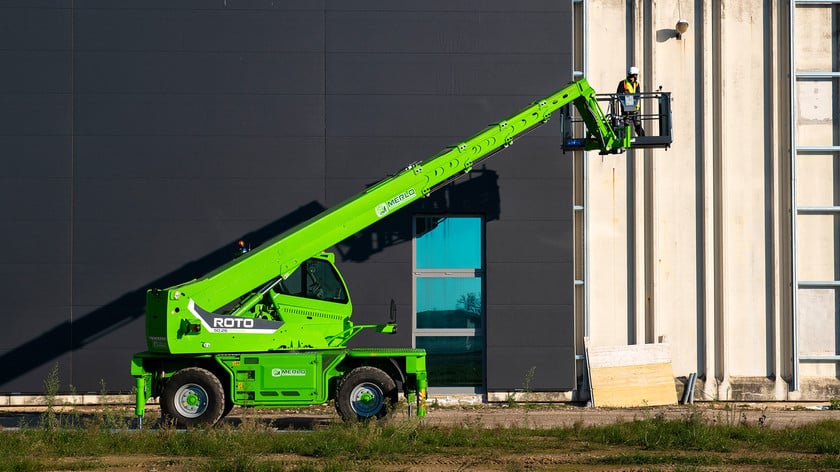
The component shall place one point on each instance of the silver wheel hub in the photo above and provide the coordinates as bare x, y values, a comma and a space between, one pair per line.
191, 400
367, 399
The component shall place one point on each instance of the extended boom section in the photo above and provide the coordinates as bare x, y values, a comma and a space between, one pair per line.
278, 258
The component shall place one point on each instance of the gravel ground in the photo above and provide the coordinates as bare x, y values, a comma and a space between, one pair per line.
572, 456
774, 415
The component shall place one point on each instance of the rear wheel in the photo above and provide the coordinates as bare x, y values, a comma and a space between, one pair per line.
192, 397
228, 406
365, 392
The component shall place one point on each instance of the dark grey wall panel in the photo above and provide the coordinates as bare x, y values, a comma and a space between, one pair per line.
41, 26
169, 199
176, 29
200, 72
42, 336
529, 241
434, 72
382, 156
491, 32
229, 5
188, 115
44, 4
225, 115
95, 284
37, 242
442, 6
35, 296
452, 118
36, 114
442, 73
512, 367
199, 157
376, 283
536, 198
526, 283
35, 72
536, 156
35, 209
373, 285
543, 328
30, 380
110, 377
35, 199
149, 135
36, 156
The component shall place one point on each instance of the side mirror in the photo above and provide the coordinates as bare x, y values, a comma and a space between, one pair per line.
393, 314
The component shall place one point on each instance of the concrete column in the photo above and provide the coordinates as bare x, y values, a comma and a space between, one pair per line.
610, 38
708, 47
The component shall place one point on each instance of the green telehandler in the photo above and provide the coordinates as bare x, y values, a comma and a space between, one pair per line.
270, 328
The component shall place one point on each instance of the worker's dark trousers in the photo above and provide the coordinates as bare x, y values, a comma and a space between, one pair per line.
637, 122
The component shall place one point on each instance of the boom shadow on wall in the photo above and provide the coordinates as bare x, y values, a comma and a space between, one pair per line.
477, 193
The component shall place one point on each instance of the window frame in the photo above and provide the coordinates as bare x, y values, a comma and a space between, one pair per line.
479, 332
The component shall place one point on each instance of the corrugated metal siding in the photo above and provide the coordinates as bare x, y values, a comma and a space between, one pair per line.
144, 138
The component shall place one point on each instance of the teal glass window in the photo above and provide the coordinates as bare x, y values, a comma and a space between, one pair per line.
449, 302
454, 361
449, 299
448, 242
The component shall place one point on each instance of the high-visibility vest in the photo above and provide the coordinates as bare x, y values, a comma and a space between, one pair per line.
632, 88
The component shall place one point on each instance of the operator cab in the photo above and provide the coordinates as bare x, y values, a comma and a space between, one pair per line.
316, 279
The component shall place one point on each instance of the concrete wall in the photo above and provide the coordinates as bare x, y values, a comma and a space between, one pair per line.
694, 244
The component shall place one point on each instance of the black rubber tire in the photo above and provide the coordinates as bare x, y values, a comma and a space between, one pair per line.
364, 393
192, 397
228, 406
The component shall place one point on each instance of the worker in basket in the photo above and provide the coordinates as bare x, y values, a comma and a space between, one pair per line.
628, 92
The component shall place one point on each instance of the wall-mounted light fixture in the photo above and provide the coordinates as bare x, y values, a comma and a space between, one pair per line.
681, 27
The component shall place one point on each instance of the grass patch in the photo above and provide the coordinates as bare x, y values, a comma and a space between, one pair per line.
690, 443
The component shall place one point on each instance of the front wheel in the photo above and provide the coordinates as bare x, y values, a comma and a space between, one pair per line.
365, 392
192, 397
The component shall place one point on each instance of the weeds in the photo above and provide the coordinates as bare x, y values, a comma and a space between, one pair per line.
511, 400
52, 384
110, 417
690, 441
697, 441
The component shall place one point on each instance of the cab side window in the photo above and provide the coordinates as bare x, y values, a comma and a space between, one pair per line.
315, 279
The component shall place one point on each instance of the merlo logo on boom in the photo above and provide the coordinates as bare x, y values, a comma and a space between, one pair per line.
399, 200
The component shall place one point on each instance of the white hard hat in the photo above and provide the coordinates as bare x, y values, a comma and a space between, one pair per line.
632, 70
